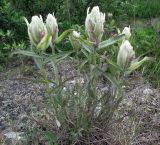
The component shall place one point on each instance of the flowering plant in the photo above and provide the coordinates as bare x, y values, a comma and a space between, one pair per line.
83, 102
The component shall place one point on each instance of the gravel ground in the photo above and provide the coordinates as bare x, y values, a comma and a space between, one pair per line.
20, 96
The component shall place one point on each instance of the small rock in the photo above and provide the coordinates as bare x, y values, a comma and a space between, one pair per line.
13, 135
147, 91
72, 82
51, 85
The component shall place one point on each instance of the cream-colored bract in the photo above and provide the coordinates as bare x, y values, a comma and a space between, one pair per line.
42, 34
36, 29
127, 32
52, 26
125, 54
94, 24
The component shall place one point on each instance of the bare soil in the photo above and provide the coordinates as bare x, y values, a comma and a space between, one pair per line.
21, 95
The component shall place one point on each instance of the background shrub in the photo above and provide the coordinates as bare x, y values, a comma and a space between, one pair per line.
72, 12
11, 19
12, 30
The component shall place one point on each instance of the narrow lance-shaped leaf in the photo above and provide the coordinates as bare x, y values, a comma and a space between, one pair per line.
83, 63
59, 56
117, 67
27, 53
44, 43
110, 41
137, 64
110, 78
38, 62
63, 35
85, 53
62, 56
111, 63
86, 45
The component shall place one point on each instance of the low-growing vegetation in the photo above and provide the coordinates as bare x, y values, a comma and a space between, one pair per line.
68, 78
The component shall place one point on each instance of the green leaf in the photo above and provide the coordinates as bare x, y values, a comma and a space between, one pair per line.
109, 77
62, 55
51, 138
137, 64
83, 63
74, 42
37, 58
63, 35
86, 45
85, 53
38, 62
27, 53
117, 67
110, 41
44, 43
59, 56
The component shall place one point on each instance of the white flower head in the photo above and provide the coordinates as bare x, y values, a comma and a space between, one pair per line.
94, 24
76, 34
36, 29
125, 54
127, 32
52, 26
